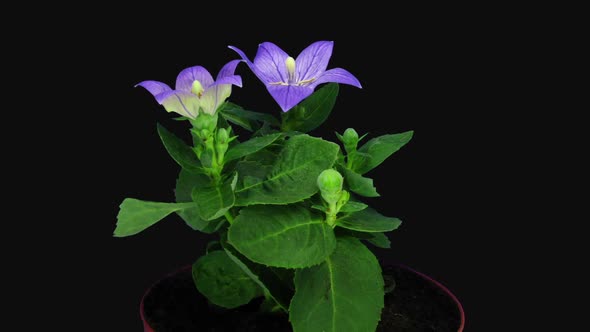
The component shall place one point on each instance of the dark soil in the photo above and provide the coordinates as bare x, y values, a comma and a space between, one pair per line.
174, 305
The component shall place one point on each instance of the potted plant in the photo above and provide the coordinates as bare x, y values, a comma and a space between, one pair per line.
293, 233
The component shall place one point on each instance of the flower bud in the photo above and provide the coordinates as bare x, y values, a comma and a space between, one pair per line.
330, 184
205, 121
350, 138
222, 136
221, 144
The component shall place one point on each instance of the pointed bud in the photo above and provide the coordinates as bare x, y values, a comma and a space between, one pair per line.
350, 138
222, 136
330, 184
221, 144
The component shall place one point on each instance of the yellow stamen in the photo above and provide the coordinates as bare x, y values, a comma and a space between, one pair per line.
290, 64
197, 88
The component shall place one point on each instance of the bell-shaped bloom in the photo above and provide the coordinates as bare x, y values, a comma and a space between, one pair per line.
196, 91
290, 80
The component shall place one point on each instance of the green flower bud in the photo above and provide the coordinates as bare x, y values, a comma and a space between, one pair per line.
205, 121
350, 139
344, 198
222, 136
330, 184
221, 144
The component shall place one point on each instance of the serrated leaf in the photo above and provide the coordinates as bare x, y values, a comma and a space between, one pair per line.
268, 278
344, 293
214, 200
312, 111
222, 281
251, 146
282, 236
368, 220
359, 184
179, 150
378, 149
294, 174
136, 215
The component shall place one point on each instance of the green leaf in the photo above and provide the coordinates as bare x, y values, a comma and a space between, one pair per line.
282, 236
179, 150
183, 192
378, 149
268, 278
214, 200
380, 240
312, 111
368, 220
246, 119
135, 215
344, 293
293, 176
359, 184
352, 206
222, 281
251, 146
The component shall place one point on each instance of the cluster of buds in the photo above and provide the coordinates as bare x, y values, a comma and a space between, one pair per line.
330, 183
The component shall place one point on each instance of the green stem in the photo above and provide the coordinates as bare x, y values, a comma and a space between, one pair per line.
331, 215
349, 159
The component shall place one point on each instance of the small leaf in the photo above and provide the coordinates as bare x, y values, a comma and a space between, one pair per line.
293, 175
319, 207
352, 206
179, 151
183, 192
246, 119
251, 146
135, 215
378, 149
222, 281
359, 184
368, 220
312, 111
214, 200
281, 236
380, 240
344, 293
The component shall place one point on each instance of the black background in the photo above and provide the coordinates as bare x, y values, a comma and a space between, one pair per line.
436, 75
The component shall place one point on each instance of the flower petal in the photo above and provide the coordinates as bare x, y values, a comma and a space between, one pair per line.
214, 96
181, 102
229, 69
337, 75
270, 63
288, 96
241, 54
233, 79
154, 87
184, 81
313, 60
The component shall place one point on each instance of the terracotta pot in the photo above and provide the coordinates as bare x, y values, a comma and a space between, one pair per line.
148, 328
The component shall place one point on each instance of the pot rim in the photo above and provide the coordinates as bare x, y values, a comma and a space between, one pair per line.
444, 289
148, 328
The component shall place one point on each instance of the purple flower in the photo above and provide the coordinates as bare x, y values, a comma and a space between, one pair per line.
290, 80
195, 89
